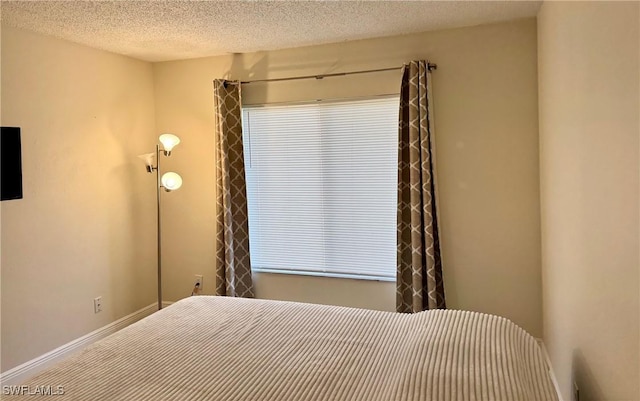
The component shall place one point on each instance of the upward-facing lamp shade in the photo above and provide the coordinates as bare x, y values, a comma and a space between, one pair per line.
169, 141
149, 160
171, 181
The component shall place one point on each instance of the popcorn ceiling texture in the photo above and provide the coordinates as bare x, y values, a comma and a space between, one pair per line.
171, 30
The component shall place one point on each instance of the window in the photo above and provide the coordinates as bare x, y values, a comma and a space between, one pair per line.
321, 187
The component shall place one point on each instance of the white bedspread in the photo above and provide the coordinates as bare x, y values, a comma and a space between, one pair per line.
214, 348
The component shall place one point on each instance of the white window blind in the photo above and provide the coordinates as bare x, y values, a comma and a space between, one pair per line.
321, 187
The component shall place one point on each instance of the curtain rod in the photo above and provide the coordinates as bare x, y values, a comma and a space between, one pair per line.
337, 74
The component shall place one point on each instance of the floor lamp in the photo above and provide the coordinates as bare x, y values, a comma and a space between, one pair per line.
169, 181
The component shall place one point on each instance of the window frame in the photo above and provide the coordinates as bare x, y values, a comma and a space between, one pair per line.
309, 272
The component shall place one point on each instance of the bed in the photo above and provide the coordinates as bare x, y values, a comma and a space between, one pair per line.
218, 348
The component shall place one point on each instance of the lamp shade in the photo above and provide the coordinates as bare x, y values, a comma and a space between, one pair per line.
169, 141
171, 181
149, 159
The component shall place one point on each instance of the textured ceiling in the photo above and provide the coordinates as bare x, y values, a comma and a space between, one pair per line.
170, 30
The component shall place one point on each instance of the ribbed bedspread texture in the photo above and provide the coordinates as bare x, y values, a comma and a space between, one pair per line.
232, 349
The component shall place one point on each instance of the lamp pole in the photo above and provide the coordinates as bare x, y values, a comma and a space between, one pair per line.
158, 186
170, 181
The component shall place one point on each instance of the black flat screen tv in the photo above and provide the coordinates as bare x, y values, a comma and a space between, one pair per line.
10, 163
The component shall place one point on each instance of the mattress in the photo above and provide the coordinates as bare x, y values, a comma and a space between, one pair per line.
218, 348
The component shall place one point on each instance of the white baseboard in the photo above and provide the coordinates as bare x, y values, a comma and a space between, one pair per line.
28, 369
551, 373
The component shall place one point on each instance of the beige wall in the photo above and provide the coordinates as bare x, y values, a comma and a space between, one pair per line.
589, 129
487, 139
85, 227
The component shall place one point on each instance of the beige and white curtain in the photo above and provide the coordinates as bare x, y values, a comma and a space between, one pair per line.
233, 265
419, 281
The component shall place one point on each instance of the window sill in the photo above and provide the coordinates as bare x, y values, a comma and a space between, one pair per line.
325, 274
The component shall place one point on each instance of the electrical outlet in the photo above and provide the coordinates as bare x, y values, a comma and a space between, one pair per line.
576, 392
199, 282
97, 304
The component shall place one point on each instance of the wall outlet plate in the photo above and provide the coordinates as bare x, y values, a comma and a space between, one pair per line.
97, 304
199, 282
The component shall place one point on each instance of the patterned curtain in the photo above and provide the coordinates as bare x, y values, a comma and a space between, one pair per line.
233, 266
419, 281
